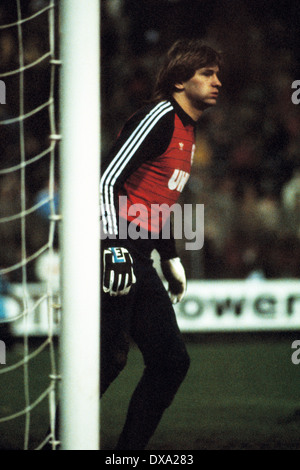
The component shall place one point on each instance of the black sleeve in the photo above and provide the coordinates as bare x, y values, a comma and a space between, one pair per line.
145, 136
166, 248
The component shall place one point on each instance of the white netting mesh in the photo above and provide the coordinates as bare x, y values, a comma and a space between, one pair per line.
29, 269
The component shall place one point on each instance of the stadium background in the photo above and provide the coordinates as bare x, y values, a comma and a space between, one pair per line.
243, 390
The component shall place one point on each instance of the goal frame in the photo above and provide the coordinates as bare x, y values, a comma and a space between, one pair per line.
80, 226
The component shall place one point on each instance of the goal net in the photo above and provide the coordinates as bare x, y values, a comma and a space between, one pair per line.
29, 267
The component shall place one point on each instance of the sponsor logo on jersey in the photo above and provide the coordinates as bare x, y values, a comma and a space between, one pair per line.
178, 180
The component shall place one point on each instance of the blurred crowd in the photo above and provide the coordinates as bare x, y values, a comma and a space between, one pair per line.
247, 161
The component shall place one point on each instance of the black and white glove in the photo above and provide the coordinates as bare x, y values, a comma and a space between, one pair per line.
118, 275
175, 275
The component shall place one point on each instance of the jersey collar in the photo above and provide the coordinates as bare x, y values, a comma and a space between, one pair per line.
184, 117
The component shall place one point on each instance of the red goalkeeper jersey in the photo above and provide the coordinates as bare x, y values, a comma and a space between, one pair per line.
150, 164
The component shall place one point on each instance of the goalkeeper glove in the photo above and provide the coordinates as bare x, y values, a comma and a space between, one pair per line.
118, 275
175, 275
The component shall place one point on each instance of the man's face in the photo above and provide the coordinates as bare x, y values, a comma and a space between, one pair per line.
203, 88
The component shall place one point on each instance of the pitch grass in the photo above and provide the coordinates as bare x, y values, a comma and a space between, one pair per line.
242, 393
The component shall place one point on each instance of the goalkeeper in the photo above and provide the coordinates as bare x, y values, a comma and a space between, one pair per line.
148, 166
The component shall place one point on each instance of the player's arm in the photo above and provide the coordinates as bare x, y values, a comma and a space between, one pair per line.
145, 136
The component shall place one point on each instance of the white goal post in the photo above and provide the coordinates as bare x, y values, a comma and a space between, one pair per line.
80, 230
